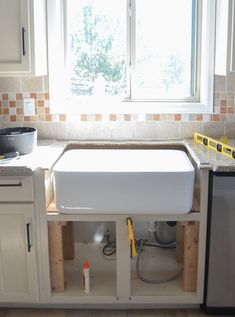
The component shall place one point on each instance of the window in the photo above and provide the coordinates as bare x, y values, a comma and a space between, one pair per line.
140, 55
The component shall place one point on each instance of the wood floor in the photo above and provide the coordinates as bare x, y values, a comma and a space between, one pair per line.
10, 312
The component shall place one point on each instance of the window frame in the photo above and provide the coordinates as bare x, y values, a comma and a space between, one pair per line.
205, 78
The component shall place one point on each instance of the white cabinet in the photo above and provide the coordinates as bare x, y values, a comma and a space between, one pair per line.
23, 38
17, 253
225, 37
18, 269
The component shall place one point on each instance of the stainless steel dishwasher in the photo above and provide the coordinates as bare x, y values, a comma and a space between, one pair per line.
220, 258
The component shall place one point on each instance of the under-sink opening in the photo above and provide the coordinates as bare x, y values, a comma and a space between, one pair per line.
167, 264
68, 253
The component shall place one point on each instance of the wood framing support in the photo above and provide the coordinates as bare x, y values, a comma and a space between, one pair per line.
187, 235
179, 242
68, 241
56, 256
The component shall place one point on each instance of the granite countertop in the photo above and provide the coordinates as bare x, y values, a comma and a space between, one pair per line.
48, 151
43, 157
207, 158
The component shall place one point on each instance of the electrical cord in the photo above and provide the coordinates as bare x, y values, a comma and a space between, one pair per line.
152, 281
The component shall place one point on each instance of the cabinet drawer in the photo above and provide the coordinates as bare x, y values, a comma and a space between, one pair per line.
16, 188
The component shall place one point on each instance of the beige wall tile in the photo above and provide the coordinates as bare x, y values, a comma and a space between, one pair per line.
219, 84
230, 130
145, 130
213, 129
100, 130
55, 130
230, 83
32, 84
46, 83
168, 130
122, 130
77, 130
10, 84
187, 129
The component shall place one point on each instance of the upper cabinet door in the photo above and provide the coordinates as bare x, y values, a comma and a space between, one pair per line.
225, 37
22, 26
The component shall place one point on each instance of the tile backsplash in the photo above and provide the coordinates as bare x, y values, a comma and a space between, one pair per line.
113, 126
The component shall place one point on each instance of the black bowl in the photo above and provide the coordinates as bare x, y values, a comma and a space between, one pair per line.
19, 139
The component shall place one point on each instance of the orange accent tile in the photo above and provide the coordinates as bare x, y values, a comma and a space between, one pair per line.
19, 110
156, 117
199, 117
5, 111
0, 111
223, 109
62, 117
19, 96
12, 103
127, 117
5, 97
46, 96
13, 118
112, 117
177, 117
98, 117
33, 95
48, 117
223, 103
230, 110
47, 110
26, 118
215, 117
83, 117
40, 103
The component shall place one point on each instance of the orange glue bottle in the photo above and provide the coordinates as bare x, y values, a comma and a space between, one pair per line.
86, 277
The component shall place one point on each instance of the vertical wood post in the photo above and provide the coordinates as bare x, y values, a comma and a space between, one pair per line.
56, 256
68, 241
191, 236
179, 242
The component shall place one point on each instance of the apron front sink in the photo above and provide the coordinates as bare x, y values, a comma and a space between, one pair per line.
123, 182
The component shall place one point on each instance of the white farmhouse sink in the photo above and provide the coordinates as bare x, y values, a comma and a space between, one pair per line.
124, 182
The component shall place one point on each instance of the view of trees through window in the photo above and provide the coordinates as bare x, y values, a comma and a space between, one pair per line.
97, 48
97, 41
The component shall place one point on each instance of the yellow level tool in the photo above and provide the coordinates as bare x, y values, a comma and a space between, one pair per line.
215, 145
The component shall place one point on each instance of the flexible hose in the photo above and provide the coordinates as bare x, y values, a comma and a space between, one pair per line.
158, 240
152, 281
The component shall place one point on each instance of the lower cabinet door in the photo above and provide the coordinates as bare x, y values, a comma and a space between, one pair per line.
18, 282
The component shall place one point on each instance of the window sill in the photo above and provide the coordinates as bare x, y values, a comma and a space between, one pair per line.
133, 107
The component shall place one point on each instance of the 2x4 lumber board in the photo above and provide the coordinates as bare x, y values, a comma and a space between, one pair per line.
56, 256
191, 238
179, 242
68, 241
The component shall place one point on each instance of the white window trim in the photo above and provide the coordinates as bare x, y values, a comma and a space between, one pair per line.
56, 58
